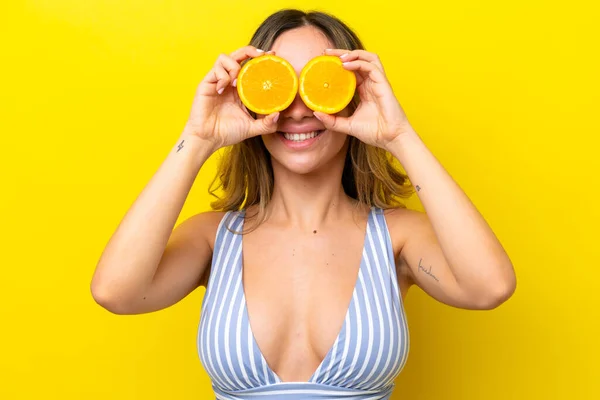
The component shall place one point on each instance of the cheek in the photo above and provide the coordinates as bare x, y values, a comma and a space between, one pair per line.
270, 140
338, 141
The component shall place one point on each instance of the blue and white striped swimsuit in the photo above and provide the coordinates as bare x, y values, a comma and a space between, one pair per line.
367, 355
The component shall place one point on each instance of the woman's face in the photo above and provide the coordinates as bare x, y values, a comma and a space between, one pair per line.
287, 147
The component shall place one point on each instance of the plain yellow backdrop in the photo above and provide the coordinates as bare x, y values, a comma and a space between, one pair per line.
94, 94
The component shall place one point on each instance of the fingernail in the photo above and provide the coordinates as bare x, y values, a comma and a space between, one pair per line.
234, 82
260, 51
276, 118
220, 90
317, 117
344, 55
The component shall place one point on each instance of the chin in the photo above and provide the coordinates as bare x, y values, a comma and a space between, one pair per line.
306, 156
299, 165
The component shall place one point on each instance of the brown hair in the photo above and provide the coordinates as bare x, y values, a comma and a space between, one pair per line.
245, 172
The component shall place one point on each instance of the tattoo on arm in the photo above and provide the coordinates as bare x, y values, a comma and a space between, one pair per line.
180, 146
428, 272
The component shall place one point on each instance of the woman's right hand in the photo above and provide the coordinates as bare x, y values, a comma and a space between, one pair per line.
218, 115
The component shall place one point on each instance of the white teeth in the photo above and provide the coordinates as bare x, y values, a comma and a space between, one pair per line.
298, 137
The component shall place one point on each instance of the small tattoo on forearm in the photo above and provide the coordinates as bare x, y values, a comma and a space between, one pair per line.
180, 146
418, 188
428, 272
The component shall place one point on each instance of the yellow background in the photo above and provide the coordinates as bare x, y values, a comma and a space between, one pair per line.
94, 94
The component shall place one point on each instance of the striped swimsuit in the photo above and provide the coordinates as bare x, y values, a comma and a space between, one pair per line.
368, 353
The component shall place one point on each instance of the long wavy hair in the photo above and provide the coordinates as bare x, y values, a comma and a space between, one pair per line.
245, 172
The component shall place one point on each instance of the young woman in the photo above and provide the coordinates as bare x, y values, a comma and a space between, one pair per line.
309, 253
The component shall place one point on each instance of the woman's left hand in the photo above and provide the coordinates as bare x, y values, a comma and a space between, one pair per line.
379, 119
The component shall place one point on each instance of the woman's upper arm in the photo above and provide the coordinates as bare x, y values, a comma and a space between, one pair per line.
420, 259
184, 264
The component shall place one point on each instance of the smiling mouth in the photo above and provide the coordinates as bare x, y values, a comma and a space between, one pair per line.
299, 137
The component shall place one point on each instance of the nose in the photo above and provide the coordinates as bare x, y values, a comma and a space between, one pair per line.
297, 110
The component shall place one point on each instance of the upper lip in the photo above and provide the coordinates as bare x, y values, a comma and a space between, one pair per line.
301, 128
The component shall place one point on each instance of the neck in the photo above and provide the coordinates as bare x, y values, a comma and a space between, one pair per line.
308, 201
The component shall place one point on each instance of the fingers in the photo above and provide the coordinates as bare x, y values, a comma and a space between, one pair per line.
366, 69
351, 55
364, 63
227, 67
245, 53
222, 77
334, 123
223, 73
263, 126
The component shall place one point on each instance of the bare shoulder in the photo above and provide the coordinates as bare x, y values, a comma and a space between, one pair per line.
402, 222
202, 226
199, 232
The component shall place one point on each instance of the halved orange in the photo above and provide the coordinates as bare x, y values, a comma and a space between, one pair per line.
325, 85
267, 84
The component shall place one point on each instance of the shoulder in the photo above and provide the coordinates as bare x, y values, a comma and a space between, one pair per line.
203, 226
403, 221
200, 231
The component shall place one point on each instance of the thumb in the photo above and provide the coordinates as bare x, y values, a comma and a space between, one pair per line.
334, 123
263, 126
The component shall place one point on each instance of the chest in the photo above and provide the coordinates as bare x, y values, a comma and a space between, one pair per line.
311, 268
298, 292
320, 307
